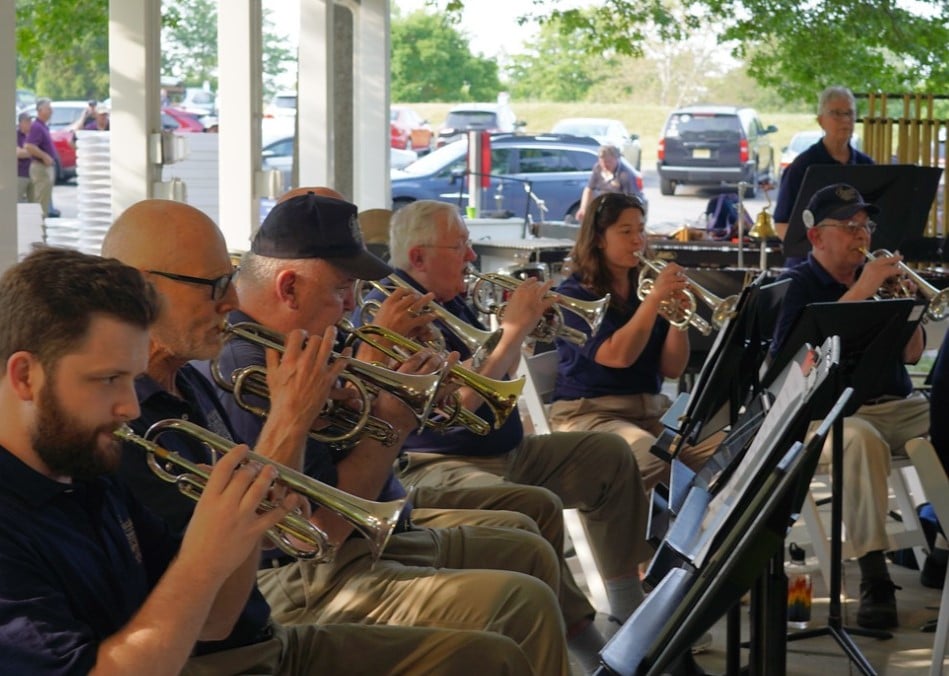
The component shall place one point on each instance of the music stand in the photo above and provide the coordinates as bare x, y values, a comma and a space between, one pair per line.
904, 194
728, 550
871, 333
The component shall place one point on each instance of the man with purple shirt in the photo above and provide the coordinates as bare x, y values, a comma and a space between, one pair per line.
22, 158
39, 143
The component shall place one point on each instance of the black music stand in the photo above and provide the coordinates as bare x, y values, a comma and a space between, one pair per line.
871, 333
725, 549
904, 194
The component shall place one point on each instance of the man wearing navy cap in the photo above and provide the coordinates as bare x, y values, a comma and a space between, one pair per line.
299, 274
839, 230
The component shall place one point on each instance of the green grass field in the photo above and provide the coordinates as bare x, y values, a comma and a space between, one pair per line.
644, 120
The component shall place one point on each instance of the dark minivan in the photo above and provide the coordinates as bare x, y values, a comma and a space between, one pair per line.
715, 145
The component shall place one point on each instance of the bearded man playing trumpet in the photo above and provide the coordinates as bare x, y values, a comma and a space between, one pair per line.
839, 230
590, 471
184, 255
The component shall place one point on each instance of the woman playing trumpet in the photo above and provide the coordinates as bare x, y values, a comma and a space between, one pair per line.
613, 382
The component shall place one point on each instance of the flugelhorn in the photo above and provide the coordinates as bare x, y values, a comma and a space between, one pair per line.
500, 395
938, 299
478, 341
552, 325
418, 392
683, 314
374, 520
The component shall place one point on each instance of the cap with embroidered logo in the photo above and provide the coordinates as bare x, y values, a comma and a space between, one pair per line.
838, 201
313, 226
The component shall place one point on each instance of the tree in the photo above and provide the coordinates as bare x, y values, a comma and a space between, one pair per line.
432, 61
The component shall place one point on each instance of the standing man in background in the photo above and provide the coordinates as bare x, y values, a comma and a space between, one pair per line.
39, 144
22, 158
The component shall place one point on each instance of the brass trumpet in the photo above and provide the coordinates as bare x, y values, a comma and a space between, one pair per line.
683, 314
551, 326
500, 395
418, 392
478, 341
938, 299
374, 520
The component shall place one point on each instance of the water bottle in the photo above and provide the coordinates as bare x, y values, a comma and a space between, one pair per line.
800, 588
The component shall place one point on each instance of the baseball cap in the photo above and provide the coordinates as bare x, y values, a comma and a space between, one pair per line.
838, 201
314, 226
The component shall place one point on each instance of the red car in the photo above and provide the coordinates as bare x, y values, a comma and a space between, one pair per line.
175, 119
408, 131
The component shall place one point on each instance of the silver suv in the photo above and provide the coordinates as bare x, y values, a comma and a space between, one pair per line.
715, 145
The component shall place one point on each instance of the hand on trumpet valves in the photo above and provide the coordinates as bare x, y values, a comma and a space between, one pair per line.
390, 408
230, 504
879, 272
526, 306
300, 382
404, 312
670, 283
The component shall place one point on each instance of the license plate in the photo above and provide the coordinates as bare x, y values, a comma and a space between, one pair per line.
701, 153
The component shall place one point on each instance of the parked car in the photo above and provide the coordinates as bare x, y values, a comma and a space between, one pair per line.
409, 131
525, 169
283, 104
198, 101
492, 117
607, 132
174, 119
715, 145
800, 142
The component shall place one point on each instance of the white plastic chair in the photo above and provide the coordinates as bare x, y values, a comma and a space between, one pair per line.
540, 371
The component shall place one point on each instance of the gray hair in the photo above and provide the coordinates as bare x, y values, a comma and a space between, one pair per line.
257, 271
832, 94
609, 149
43, 102
413, 225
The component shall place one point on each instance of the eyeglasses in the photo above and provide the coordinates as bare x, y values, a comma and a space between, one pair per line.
461, 247
852, 227
628, 202
842, 114
219, 285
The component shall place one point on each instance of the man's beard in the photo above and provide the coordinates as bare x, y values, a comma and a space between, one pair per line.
65, 446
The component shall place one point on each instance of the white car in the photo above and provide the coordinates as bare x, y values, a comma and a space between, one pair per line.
283, 104
800, 142
607, 132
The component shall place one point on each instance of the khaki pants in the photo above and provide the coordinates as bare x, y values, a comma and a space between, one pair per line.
592, 472
42, 179
870, 435
22, 188
359, 649
471, 578
636, 418
529, 508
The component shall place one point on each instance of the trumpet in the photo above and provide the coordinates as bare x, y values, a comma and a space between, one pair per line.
418, 392
938, 299
552, 325
374, 520
683, 313
478, 341
500, 395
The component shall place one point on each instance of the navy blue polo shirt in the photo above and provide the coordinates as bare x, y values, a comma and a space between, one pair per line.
457, 440
939, 404
200, 406
319, 459
580, 376
811, 283
77, 561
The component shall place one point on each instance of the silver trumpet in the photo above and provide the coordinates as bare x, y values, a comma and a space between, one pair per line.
478, 341
346, 427
938, 299
500, 395
552, 325
374, 520
683, 313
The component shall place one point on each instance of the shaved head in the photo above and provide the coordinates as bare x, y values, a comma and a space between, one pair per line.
316, 190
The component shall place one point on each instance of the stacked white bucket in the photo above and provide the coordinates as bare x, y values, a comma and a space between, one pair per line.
94, 190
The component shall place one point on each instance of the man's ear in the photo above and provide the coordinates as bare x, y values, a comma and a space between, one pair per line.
417, 257
286, 288
24, 374
813, 236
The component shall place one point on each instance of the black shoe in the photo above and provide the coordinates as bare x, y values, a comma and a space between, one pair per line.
877, 605
53, 213
933, 574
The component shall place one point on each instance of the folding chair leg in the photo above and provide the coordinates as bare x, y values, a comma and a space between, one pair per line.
578, 536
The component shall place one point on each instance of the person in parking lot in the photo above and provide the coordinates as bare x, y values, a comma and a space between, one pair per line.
95, 117
39, 143
612, 383
24, 121
608, 175
836, 115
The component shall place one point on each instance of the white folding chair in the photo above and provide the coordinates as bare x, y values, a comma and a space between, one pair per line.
935, 485
540, 371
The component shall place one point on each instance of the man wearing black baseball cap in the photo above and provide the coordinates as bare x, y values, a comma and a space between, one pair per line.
839, 230
299, 274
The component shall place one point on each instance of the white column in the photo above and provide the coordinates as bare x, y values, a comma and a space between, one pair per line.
240, 105
8, 236
371, 106
315, 96
134, 68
